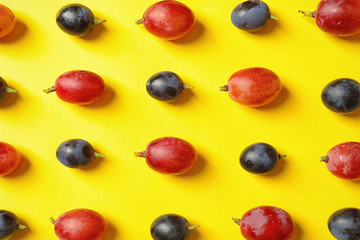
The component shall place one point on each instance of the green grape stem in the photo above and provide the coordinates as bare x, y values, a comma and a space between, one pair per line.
272, 16
98, 21
98, 155
22, 227
185, 86
189, 228
10, 90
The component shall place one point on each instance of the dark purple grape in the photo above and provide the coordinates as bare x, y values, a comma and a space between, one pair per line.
9, 224
76, 153
259, 158
171, 227
165, 86
251, 15
4, 89
341, 95
76, 19
344, 224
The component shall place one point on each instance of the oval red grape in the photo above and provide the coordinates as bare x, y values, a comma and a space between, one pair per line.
169, 155
343, 160
266, 223
9, 158
7, 21
253, 87
80, 224
168, 19
78, 87
341, 18
338, 17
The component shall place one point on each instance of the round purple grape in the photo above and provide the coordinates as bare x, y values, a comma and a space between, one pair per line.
341, 95
165, 86
171, 227
76, 19
251, 15
259, 158
76, 153
344, 224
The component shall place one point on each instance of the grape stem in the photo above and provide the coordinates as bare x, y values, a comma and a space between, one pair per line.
272, 16
140, 21
324, 159
98, 155
98, 21
22, 227
237, 221
52, 220
224, 88
49, 90
308, 14
282, 156
10, 90
185, 86
140, 154
189, 228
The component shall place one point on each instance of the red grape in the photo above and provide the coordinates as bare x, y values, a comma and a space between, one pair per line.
7, 21
253, 87
80, 224
9, 158
343, 160
266, 223
168, 19
337, 17
169, 155
78, 87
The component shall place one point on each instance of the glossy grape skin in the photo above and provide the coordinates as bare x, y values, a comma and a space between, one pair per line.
344, 224
171, 227
169, 155
80, 224
7, 21
340, 18
253, 87
9, 158
343, 160
259, 158
266, 223
76, 153
78, 87
9, 224
341, 95
76, 19
251, 15
165, 86
4, 89
337, 17
168, 19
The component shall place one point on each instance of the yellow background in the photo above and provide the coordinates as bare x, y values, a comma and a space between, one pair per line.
123, 188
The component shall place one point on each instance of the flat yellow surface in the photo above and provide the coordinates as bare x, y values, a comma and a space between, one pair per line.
123, 188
